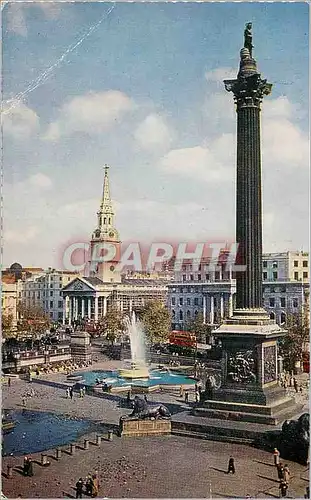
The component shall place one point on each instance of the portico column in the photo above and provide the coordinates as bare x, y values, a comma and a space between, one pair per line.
230, 305
70, 310
212, 310
204, 309
76, 308
221, 306
96, 309
131, 305
82, 307
89, 307
104, 306
64, 309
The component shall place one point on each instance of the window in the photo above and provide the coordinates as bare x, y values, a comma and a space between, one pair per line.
295, 263
188, 301
173, 313
295, 302
51, 286
264, 276
173, 301
51, 304
181, 315
188, 314
184, 277
283, 318
275, 275
181, 301
217, 275
60, 316
272, 316
275, 265
199, 277
191, 277
60, 303
200, 267
272, 302
305, 274
305, 263
51, 294
283, 302
296, 276
264, 264
207, 277
196, 301
196, 312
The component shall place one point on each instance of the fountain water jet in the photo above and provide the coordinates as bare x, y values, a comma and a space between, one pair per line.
137, 366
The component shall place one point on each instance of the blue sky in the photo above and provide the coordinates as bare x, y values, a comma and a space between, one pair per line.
143, 92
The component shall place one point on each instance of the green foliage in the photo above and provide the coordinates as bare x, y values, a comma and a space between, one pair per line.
156, 320
292, 344
32, 318
197, 326
112, 325
7, 324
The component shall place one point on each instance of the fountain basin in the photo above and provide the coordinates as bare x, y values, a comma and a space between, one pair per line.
134, 371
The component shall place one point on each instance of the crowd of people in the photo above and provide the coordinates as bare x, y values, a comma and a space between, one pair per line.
287, 380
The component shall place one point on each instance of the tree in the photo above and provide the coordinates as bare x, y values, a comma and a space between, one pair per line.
112, 325
7, 324
156, 320
197, 326
32, 318
292, 345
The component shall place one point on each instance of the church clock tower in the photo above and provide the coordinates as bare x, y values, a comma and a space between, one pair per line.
105, 232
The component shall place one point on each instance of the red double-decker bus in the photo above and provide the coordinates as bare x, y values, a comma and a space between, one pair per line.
182, 338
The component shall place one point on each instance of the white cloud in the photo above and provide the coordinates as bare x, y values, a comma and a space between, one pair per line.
21, 236
218, 75
276, 108
19, 120
153, 133
91, 113
40, 180
210, 164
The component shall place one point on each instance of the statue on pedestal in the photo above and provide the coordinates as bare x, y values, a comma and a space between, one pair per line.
142, 411
248, 38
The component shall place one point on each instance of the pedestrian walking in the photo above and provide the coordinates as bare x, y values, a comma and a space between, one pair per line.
128, 398
95, 486
286, 474
145, 398
231, 466
89, 485
24, 401
181, 391
67, 393
283, 488
81, 392
307, 494
84, 390
295, 383
9, 382
186, 397
79, 488
197, 396
276, 457
280, 470
71, 393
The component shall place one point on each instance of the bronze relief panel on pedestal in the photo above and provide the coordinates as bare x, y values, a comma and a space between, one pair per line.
242, 366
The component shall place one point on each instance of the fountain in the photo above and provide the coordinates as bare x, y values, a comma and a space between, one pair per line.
136, 368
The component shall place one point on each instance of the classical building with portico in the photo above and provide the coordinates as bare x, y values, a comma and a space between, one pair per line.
89, 298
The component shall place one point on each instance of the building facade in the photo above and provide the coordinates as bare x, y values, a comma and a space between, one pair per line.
216, 300
286, 266
44, 291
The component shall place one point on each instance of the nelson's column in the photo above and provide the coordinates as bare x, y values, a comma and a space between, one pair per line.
249, 390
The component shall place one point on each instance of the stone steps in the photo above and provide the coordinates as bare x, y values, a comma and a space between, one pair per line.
212, 436
286, 410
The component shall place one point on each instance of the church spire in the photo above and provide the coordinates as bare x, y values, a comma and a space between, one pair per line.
106, 200
105, 216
